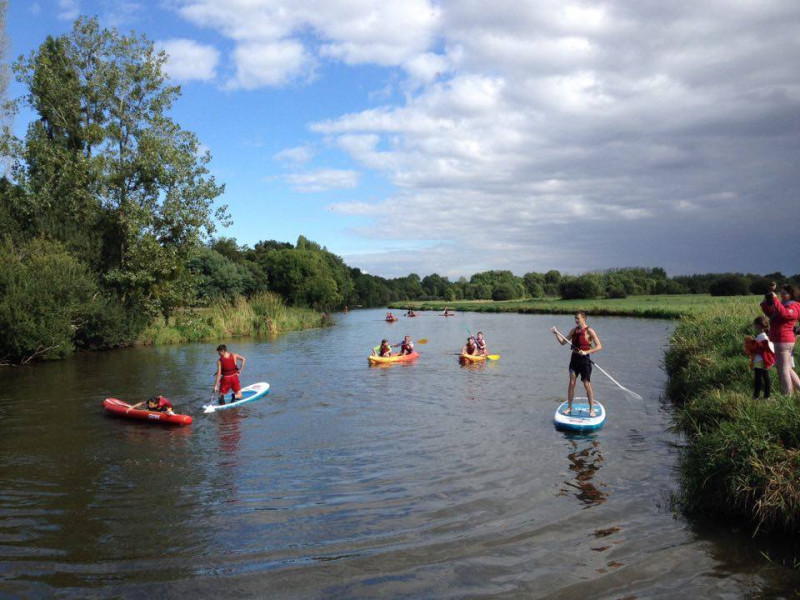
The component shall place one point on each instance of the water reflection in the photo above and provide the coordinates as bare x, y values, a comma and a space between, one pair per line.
585, 459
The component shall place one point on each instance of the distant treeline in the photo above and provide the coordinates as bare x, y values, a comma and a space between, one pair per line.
307, 274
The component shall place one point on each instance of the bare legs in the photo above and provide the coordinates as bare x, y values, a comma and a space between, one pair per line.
573, 378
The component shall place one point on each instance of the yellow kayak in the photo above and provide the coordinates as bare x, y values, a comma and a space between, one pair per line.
472, 357
376, 360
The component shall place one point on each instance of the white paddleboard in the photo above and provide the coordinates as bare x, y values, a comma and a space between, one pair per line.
249, 394
579, 419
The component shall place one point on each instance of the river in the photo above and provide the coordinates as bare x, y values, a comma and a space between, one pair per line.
426, 480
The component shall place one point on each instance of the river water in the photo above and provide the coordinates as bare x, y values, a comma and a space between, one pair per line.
428, 480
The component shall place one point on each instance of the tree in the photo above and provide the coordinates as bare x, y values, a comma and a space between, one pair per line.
104, 156
730, 285
585, 286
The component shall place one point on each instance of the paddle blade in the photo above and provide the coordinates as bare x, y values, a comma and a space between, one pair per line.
423, 341
493, 356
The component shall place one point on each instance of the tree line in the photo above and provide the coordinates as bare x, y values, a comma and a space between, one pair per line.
108, 214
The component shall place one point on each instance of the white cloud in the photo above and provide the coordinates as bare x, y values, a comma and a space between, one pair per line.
323, 180
190, 60
68, 10
604, 123
298, 155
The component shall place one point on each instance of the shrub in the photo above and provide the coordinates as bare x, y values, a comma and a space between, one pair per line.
729, 285
43, 291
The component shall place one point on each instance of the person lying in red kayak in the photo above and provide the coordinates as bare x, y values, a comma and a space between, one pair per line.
157, 404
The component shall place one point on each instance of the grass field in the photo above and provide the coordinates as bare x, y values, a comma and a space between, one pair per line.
654, 307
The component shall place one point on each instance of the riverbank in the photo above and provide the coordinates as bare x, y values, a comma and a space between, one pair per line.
651, 307
742, 459
263, 314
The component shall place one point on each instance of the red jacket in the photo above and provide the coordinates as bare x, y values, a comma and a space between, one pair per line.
761, 348
781, 319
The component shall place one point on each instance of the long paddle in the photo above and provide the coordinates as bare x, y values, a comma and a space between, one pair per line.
622, 387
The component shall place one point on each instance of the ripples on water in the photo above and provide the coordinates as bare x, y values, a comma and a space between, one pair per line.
430, 480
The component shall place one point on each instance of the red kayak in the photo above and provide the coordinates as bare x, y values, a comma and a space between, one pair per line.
123, 409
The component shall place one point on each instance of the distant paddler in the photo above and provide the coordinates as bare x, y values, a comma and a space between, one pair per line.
584, 341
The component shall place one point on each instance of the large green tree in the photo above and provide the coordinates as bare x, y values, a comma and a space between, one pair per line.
105, 169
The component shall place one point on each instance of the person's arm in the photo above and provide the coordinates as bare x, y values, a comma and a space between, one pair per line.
559, 338
241, 368
790, 313
598, 345
218, 375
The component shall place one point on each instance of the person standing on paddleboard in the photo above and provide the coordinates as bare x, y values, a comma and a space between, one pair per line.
228, 371
584, 341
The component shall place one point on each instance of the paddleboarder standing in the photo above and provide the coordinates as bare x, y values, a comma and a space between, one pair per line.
228, 370
584, 341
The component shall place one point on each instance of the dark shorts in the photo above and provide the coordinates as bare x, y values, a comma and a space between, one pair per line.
581, 366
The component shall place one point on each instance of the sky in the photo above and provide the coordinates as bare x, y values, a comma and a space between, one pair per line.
457, 136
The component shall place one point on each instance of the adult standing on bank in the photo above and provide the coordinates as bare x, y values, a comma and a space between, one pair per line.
783, 314
584, 341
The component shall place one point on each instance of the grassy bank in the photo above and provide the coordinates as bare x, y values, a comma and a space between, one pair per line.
653, 307
263, 314
742, 459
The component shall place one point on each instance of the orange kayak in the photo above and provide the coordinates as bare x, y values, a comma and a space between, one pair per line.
379, 360
123, 409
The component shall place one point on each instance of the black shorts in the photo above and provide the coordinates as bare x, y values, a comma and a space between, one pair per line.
581, 365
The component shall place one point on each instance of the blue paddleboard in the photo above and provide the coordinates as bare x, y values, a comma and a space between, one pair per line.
579, 419
249, 393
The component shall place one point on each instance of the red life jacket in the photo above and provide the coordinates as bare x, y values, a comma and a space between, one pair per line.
228, 365
580, 339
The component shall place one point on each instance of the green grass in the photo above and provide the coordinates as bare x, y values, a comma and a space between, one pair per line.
264, 314
742, 459
653, 307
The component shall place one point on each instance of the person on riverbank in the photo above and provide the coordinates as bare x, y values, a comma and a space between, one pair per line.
584, 341
762, 356
480, 343
783, 313
157, 404
228, 371
470, 348
406, 346
383, 349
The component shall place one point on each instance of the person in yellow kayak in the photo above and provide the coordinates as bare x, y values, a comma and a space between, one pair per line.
384, 349
481, 344
470, 348
584, 341
406, 346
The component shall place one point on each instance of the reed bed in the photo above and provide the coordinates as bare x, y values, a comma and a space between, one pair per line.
262, 315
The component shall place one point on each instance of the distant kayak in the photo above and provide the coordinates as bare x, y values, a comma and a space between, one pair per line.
123, 409
471, 358
391, 320
249, 394
579, 419
379, 360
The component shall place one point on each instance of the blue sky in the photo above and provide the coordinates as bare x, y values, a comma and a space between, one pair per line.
459, 136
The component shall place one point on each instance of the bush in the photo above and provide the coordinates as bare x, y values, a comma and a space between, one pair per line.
616, 292
729, 285
585, 286
43, 292
503, 291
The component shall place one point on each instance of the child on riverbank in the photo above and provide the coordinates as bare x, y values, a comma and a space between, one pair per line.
762, 356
